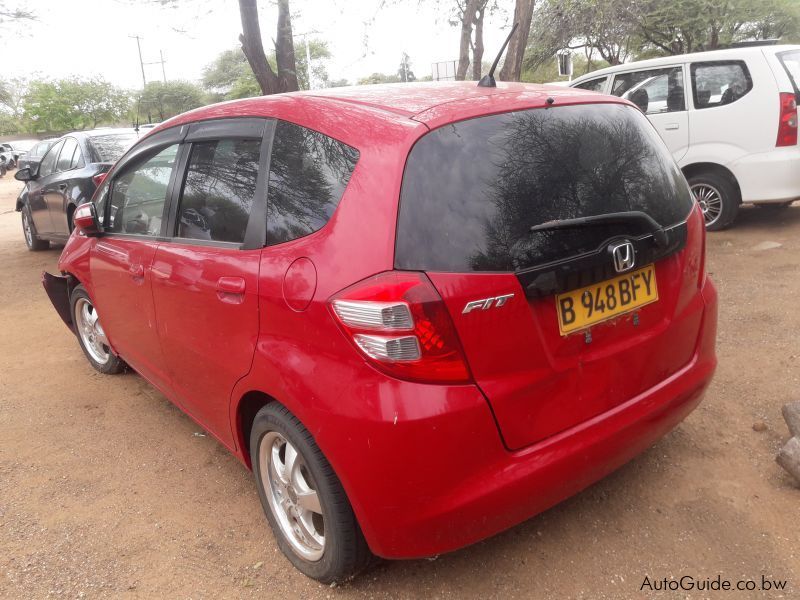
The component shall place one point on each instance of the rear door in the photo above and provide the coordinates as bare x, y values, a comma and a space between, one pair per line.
205, 275
552, 335
37, 191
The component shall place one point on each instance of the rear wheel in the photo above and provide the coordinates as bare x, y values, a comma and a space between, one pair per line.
91, 335
305, 504
718, 199
29, 230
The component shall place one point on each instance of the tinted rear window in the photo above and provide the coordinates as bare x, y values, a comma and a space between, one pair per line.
110, 147
473, 189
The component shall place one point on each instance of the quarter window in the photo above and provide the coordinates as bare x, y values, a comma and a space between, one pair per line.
219, 190
138, 196
654, 91
593, 85
67, 151
308, 174
48, 165
719, 83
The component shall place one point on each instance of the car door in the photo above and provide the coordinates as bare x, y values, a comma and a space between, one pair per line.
205, 275
133, 206
660, 93
37, 200
63, 187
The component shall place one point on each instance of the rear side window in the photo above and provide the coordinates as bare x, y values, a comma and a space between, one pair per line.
138, 196
308, 174
473, 189
719, 83
67, 152
218, 191
791, 62
593, 85
654, 91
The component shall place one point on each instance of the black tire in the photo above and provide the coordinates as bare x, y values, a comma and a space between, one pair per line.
345, 551
32, 240
107, 362
713, 185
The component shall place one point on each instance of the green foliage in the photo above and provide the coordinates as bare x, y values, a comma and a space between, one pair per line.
547, 72
159, 101
378, 78
70, 104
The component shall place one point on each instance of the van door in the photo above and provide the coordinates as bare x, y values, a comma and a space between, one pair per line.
661, 95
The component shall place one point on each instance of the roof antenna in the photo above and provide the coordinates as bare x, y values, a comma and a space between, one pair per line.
488, 79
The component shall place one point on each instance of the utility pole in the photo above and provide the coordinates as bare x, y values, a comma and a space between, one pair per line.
141, 63
163, 72
308, 63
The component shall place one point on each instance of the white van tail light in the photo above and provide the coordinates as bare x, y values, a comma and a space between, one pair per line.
787, 125
398, 321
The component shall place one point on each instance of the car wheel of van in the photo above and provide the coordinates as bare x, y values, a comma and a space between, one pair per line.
91, 335
29, 230
304, 501
718, 199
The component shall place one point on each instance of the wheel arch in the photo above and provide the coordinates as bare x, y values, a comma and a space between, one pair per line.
709, 167
246, 410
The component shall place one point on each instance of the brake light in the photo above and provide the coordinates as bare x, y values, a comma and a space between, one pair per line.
99, 178
787, 125
398, 321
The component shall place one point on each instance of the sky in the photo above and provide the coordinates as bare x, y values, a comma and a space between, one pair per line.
88, 38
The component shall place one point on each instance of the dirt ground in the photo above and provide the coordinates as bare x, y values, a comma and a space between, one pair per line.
107, 490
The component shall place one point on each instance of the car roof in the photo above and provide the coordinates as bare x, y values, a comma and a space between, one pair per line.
740, 53
430, 103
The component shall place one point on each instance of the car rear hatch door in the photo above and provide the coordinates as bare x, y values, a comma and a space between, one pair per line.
567, 320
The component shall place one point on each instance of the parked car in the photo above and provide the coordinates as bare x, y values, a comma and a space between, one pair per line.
7, 157
17, 148
729, 117
421, 313
32, 158
67, 176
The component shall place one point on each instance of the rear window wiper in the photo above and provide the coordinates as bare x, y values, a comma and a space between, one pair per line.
631, 216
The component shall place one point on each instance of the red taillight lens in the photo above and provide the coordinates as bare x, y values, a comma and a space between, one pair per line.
99, 178
399, 322
787, 125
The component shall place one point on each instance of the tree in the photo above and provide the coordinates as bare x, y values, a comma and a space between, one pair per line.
270, 82
512, 65
378, 78
164, 100
69, 104
470, 16
404, 72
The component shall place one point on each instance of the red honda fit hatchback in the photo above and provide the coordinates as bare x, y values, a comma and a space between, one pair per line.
420, 313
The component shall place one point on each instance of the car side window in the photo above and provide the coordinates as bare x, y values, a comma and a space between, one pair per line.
139, 194
654, 91
48, 165
717, 83
77, 159
593, 85
308, 174
67, 152
219, 189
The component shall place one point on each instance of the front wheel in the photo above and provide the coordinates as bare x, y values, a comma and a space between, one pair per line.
305, 504
718, 199
91, 335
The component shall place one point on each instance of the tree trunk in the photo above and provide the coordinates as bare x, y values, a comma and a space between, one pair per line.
477, 49
253, 48
512, 66
284, 50
467, 19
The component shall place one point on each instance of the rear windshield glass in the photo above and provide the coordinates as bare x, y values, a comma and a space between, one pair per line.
110, 147
791, 62
473, 189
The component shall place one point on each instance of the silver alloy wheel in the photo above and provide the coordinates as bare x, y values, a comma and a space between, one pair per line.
91, 331
292, 496
26, 228
710, 201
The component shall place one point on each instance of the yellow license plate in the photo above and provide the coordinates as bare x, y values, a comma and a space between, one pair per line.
593, 304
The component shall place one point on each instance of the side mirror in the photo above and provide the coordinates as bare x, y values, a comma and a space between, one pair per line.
24, 175
85, 220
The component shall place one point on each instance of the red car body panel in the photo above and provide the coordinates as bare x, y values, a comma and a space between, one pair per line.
428, 468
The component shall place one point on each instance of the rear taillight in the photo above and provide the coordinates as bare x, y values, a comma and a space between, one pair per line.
787, 125
99, 178
398, 321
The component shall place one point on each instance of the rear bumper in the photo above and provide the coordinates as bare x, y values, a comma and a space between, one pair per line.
497, 489
772, 176
57, 288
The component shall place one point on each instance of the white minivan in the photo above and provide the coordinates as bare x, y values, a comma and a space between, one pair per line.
729, 117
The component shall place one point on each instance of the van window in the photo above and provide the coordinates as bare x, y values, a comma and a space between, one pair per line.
717, 83
472, 190
654, 91
308, 174
593, 85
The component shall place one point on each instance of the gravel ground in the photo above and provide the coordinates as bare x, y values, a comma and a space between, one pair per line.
107, 490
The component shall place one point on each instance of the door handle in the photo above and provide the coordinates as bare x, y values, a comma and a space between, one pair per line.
231, 289
672, 126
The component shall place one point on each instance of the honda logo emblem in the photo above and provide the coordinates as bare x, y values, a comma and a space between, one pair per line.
624, 256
